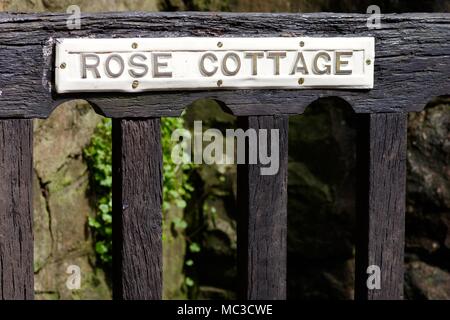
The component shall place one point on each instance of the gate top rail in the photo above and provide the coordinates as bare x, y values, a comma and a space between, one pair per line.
412, 60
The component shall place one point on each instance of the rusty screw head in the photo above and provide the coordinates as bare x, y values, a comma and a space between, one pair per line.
368, 62
134, 45
219, 83
135, 84
301, 81
302, 44
219, 44
63, 65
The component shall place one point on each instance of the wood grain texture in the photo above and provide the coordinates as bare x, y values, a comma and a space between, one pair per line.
262, 219
16, 212
381, 156
137, 217
412, 60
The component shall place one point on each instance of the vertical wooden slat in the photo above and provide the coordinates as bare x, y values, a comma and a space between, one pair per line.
16, 213
262, 220
137, 218
381, 156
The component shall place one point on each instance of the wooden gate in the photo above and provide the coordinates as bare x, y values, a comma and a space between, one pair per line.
412, 66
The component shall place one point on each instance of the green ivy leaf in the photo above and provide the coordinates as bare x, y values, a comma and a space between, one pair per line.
189, 282
189, 262
194, 247
180, 223
180, 203
100, 247
104, 208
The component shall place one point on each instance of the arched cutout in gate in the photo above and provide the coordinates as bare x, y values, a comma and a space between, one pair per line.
66, 194
321, 201
209, 260
427, 202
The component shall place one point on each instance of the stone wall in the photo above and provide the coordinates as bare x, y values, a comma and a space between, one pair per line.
62, 205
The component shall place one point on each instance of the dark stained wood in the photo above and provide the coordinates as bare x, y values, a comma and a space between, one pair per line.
411, 64
16, 212
381, 154
137, 218
411, 67
262, 219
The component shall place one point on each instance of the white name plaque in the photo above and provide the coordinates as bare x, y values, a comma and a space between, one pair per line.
144, 64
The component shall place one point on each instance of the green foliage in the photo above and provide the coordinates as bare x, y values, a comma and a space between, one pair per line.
98, 155
176, 188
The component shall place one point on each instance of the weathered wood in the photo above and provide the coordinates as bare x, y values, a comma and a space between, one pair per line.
262, 218
16, 213
381, 156
412, 63
137, 218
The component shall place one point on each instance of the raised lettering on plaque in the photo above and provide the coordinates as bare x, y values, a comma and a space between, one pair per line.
144, 64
